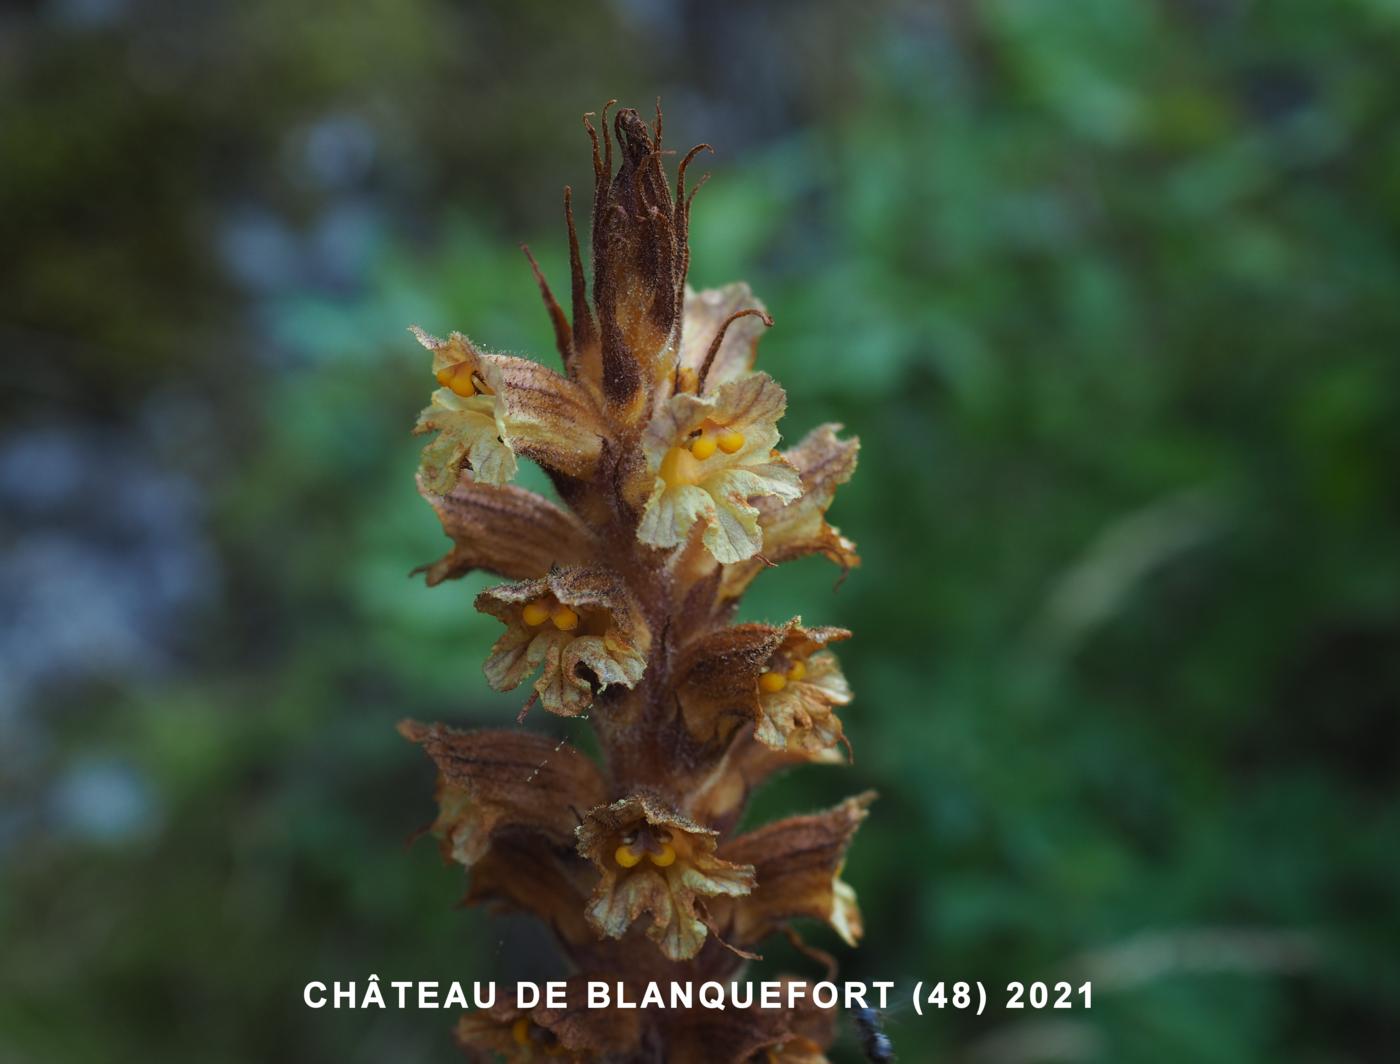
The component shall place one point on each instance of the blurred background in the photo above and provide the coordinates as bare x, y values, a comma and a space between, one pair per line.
1109, 292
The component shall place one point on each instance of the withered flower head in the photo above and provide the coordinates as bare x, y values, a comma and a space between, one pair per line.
660, 439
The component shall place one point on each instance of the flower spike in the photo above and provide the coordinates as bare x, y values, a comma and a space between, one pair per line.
661, 442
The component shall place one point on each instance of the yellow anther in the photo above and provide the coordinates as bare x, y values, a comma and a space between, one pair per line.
665, 858
627, 857
535, 614
797, 670
459, 378
772, 682
520, 1031
702, 447
565, 619
730, 442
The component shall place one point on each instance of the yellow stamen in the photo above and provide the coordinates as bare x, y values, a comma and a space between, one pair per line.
772, 682
459, 378
520, 1031
665, 858
565, 619
627, 857
703, 447
797, 670
535, 614
730, 442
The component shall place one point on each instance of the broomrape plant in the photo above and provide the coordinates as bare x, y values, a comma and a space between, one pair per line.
660, 439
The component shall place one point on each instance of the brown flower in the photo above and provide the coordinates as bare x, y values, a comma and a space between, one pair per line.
639, 263
797, 863
654, 860
795, 528
489, 781
505, 530
780, 678
578, 626
570, 1034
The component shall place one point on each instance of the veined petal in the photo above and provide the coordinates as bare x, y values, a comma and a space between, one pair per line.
733, 533
793, 528
470, 435
705, 313
799, 719
670, 512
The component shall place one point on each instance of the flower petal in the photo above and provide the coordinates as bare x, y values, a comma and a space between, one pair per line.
733, 533
705, 312
793, 528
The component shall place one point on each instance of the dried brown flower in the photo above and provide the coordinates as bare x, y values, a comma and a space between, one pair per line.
662, 443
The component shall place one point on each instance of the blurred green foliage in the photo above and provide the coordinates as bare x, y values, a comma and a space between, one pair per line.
1106, 289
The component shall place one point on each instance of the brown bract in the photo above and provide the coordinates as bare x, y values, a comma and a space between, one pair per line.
639, 264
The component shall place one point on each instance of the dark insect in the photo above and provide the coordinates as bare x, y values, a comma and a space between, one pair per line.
874, 1042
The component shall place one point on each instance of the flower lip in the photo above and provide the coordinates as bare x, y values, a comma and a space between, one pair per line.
651, 859
579, 626
708, 459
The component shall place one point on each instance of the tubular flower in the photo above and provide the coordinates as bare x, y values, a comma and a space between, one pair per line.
492, 406
708, 457
659, 439
779, 678
798, 864
650, 859
578, 626
798, 691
